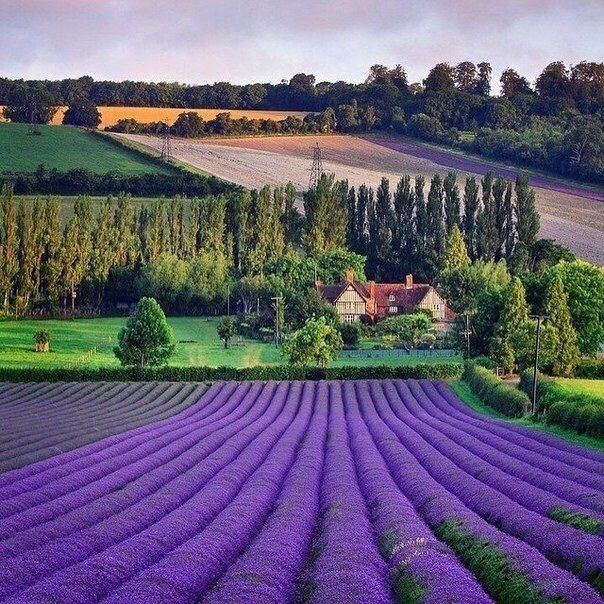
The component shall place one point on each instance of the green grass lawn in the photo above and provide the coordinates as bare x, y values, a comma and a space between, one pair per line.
581, 386
465, 394
64, 148
72, 343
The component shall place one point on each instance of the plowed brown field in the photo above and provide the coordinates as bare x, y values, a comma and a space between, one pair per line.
570, 214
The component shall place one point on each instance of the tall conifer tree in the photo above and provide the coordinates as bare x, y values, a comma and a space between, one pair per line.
470, 202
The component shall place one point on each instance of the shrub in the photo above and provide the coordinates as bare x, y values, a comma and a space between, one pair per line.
212, 374
583, 413
494, 392
351, 334
485, 362
590, 368
42, 340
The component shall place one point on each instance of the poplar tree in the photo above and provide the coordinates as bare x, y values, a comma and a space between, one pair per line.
258, 256
383, 236
527, 218
566, 351
9, 263
452, 202
37, 219
104, 253
470, 202
325, 209
499, 208
276, 240
510, 235
486, 229
435, 236
125, 230
74, 255
361, 220
372, 237
404, 206
24, 281
157, 230
421, 224
290, 213
51, 256
352, 230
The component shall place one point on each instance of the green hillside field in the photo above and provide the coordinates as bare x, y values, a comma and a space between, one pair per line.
65, 148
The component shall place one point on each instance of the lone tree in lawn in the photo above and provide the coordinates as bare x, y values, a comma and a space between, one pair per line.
147, 339
316, 342
226, 330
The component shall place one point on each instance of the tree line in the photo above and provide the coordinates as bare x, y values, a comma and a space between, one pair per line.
79, 181
555, 124
184, 251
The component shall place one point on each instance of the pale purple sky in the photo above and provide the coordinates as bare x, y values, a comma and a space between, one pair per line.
203, 41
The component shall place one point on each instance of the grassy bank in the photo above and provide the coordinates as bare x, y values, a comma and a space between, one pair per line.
465, 394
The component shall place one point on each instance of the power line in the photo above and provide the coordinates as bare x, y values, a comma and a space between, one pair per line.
317, 167
278, 317
540, 319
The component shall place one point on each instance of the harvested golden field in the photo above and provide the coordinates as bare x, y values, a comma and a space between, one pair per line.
570, 214
111, 115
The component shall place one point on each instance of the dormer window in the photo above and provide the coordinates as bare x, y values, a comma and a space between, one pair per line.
391, 298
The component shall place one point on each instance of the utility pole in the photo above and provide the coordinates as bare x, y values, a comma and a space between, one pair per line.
466, 333
278, 317
539, 318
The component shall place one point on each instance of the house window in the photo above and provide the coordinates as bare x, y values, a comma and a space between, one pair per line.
392, 309
348, 318
391, 298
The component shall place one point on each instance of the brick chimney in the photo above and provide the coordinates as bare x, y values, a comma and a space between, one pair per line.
409, 281
371, 289
349, 276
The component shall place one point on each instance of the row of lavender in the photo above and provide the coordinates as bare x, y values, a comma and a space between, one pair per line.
41, 420
368, 491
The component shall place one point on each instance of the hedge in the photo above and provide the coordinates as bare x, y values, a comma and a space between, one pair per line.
211, 374
494, 392
590, 369
583, 413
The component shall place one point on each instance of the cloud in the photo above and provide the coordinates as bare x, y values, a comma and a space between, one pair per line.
250, 40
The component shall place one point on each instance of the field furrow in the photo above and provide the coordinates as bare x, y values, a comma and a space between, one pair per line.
288, 492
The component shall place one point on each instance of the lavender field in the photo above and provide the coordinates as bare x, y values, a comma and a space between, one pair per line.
319, 492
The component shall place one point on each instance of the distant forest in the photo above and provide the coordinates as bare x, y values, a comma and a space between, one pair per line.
555, 123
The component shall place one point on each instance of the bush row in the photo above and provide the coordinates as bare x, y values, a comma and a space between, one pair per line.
581, 412
494, 392
80, 181
211, 374
590, 369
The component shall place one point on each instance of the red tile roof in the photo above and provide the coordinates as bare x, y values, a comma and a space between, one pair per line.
332, 292
405, 297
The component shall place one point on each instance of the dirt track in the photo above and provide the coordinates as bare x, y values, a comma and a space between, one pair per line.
570, 214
